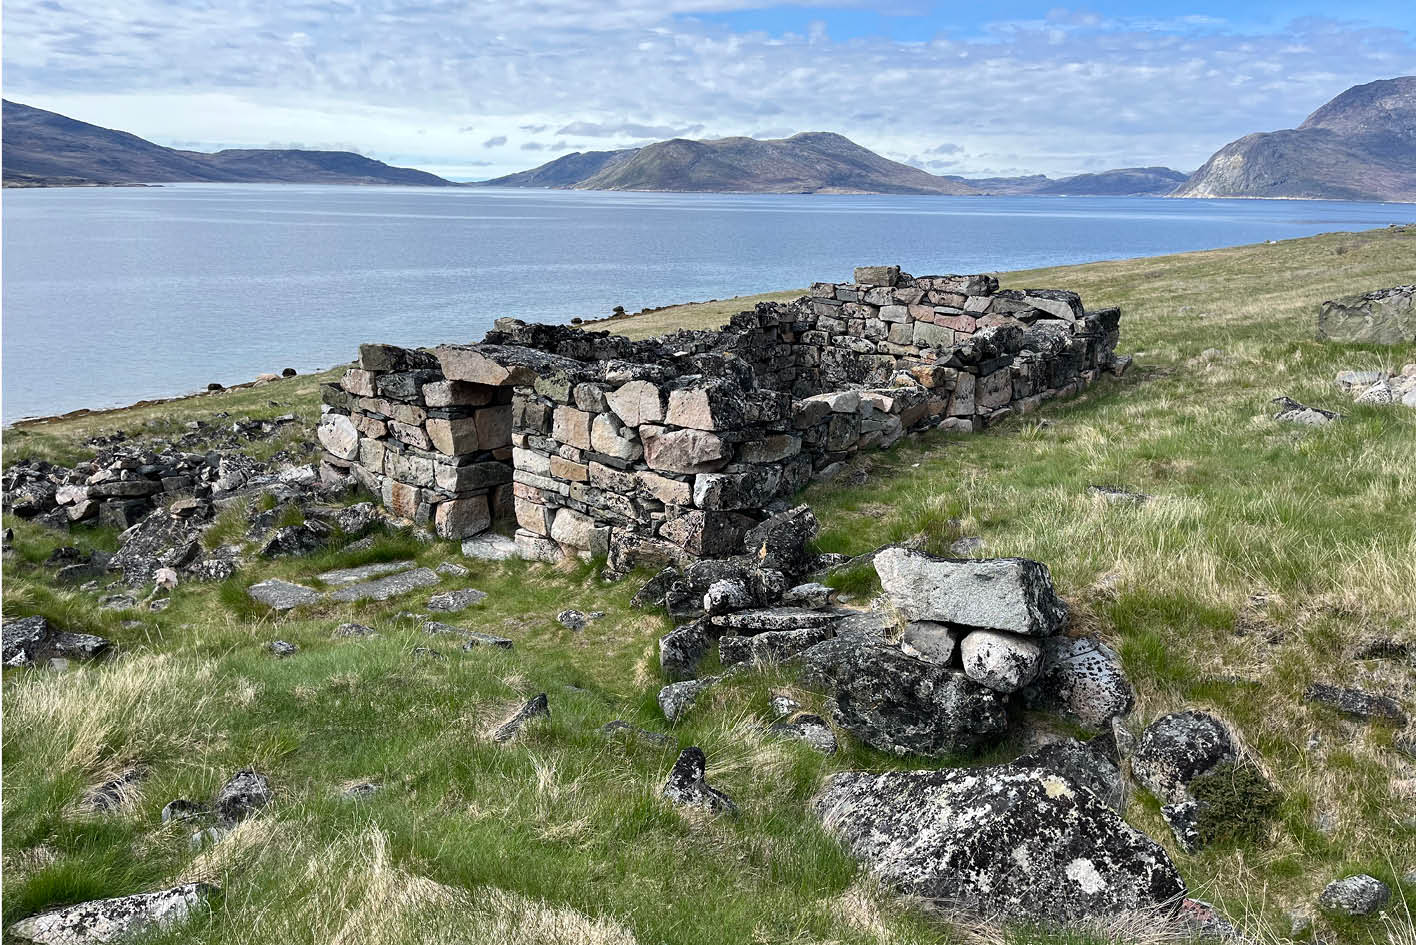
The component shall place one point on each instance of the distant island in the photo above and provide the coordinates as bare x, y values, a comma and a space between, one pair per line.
813, 162
45, 149
1359, 146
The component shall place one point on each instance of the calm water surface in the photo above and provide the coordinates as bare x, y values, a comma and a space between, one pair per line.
112, 295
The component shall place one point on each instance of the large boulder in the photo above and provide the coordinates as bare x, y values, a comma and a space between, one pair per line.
1012, 594
903, 705
1006, 843
1383, 317
1178, 748
1005, 662
112, 920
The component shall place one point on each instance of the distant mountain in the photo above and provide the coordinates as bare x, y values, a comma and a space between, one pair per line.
813, 162
1357, 147
42, 147
1122, 182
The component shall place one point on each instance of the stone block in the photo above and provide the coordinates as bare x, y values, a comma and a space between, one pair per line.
494, 427
456, 394
533, 516
928, 335
684, 451
637, 402
453, 437
462, 518
876, 275
531, 461
712, 407
610, 437
401, 499
338, 435
569, 471
531, 547
962, 398
771, 449
404, 386
472, 476
581, 532
411, 434
994, 390
358, 382
571, 426
663, 488
376, 357
405, 467
369, 426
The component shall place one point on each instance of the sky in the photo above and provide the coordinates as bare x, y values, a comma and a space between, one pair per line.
471, 90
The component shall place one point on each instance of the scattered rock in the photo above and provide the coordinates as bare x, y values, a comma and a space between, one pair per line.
359, 791
1291, 411
534, 707
244, 794
812, 729
282, 648
452, 569
282, 595
571, 619
683, 649
1177, 748
355, 630
182, 809
686, 784
474, 638
364, 572
678, 698
385, 587
1007, 843
1356, 703
1114, 494
1012, 594
33, 641
453, 601
428, 653
967, 547
1360, 895
783, 705
619, 727
112, 920
1383, 648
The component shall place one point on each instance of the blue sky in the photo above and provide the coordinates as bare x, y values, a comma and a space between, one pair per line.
475, 89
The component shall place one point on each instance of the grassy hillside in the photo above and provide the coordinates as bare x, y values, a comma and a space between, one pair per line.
1265, 555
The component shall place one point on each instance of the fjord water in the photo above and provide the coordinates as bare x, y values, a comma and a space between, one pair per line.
113, 295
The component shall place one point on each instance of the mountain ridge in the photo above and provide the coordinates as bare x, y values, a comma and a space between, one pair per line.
44, 148
1357, 146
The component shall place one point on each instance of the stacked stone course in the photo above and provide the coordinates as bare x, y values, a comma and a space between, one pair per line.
670, 449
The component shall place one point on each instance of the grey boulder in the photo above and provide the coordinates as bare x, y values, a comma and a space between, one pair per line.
245, 793
1360, 895
1005, 843
112, 920
809, 728
1012, 594
1005, 662
1082, 678
32, 641
452, 601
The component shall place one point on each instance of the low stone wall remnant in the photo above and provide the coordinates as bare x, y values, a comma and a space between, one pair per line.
665, 450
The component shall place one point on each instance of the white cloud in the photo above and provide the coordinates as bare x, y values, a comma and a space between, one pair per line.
1059, 94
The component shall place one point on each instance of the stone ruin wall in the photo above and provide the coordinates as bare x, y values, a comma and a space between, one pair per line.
660, 451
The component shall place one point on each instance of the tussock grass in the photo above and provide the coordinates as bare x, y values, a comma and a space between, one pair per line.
1264, 555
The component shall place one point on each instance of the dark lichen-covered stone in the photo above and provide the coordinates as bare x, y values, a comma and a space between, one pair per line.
809, 728
686, 784
32, 641
1082, 678
902, 705
1176, 749
535, 707
780, 542
1356, 703
1083, 765
1006, 843
245, 793
1360, 895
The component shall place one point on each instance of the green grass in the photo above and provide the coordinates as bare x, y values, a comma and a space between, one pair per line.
561, 836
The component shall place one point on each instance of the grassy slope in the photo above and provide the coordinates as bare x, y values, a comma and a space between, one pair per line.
561, 837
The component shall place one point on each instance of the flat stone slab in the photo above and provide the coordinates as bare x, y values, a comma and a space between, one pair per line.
385, 587
780, 618
282, 595
471, 638
364, 572
489, 547
452, 601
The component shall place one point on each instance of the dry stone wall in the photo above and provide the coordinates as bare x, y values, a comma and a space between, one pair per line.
670, 449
